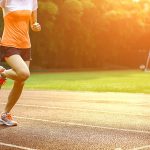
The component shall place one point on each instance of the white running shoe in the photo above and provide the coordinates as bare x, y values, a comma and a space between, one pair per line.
6, 118
2, 78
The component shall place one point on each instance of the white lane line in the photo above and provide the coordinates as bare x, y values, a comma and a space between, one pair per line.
140, 148
85, 125
15, 146
81, 109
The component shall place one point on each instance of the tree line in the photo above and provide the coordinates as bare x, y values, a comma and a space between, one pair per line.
103, 34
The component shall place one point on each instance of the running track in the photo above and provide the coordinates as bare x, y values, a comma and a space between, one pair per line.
54, 120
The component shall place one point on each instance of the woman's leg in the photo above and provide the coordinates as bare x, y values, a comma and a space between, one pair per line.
19, 73
20, 69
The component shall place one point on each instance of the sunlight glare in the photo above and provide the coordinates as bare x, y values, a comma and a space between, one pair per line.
136, 1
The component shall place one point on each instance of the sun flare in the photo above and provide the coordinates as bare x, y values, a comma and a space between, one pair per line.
136, 1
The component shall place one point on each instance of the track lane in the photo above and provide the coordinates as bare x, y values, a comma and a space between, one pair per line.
79, 127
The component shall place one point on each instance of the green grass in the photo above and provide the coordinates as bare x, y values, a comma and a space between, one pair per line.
101, 81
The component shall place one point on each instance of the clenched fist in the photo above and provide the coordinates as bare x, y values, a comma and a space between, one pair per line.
36, 27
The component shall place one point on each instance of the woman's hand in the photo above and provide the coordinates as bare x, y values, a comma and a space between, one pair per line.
36, 27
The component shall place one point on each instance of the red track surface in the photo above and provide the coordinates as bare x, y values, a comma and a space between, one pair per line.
53, 120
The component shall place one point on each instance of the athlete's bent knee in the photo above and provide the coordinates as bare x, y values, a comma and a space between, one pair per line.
23, 75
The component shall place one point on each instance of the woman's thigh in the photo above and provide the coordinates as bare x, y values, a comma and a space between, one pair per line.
17, 63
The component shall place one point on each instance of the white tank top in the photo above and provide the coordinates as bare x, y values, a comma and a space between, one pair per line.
14, 5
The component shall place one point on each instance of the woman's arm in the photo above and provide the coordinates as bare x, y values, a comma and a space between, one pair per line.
0, 41
2, 3
35, 26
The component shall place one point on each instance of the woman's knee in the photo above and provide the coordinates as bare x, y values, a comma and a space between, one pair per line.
23, 75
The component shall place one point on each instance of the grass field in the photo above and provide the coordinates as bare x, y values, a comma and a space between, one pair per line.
101, 81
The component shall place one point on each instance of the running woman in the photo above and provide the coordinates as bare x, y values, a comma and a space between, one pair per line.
15, 47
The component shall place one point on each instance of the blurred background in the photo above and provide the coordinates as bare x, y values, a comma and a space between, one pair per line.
91, 34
